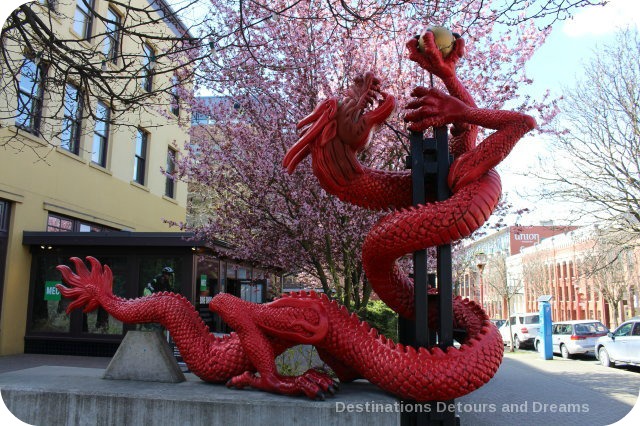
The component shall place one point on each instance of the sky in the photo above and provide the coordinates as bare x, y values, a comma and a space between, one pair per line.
558, 61
554, 66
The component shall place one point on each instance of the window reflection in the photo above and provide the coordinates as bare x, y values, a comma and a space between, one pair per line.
99, 321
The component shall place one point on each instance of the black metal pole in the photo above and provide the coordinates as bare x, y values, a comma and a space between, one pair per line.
429, 163
416, 332
444, 267
418, 173
444, 263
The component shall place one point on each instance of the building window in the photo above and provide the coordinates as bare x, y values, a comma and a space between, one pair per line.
175, 97
30, 94
83, 18
113, 25
71, 126
101, 135
51, 4
140, 158
5, 209
4, 215
170, 183
148, 64
59, 223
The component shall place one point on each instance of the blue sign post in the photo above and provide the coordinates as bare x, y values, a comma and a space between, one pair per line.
546, 351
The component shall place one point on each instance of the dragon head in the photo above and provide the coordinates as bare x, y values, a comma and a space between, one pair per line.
337, 130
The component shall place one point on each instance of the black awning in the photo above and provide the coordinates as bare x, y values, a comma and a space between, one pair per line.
118, 238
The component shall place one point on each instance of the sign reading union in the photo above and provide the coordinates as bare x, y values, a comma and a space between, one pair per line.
527, 237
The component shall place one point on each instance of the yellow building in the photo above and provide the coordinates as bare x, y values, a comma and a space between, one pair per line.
61, 170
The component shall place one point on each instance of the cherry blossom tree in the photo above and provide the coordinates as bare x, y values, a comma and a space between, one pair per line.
267, 79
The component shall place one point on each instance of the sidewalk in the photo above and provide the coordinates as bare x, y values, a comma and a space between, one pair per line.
24, 361
527, 390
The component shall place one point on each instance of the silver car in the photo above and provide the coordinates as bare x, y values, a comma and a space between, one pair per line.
574, 337
623, 345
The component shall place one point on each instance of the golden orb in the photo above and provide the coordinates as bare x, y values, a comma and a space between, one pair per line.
444, 40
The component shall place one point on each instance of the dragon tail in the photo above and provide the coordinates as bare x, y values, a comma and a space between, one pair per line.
204, 353
87, 288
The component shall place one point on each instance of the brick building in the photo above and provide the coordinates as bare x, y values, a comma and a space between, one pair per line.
481, 275
563, 267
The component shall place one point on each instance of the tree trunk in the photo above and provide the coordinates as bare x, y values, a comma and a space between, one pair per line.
616, 309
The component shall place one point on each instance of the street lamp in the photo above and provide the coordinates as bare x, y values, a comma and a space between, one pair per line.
481, 262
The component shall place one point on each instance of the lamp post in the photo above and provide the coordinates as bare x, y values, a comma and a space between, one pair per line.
481, 262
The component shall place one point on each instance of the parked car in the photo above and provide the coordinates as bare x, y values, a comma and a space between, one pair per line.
574, 337
524, 327
498, 322
623, 345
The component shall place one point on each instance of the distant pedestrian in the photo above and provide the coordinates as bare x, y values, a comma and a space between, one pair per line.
161, 282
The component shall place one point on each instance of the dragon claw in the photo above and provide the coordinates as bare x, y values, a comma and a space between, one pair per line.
313, 384
332, 389
432, 107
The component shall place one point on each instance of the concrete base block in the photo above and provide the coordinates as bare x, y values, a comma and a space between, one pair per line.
79, 396
146, 356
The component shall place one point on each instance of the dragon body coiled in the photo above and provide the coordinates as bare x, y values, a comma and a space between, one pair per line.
350, 346
333, 135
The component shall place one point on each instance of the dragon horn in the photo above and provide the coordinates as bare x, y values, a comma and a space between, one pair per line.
312, 125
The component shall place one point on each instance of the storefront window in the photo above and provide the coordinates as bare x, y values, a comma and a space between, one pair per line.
232, 286
207, 282
207, 286
48, 304
223, 276
99, 321
51, 330
251, 291
49, 307
232, 270
243, 274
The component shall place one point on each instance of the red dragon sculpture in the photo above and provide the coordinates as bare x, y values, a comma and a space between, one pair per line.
333, 135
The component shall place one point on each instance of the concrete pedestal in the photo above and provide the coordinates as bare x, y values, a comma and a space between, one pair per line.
144, 355
80, 396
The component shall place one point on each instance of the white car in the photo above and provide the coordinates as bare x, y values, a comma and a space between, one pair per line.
623, 345
525, 328
574, 337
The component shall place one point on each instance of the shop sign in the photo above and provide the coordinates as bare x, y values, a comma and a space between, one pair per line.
203, 282
51, 292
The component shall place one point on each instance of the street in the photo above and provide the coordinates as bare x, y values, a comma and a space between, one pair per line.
528, 390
